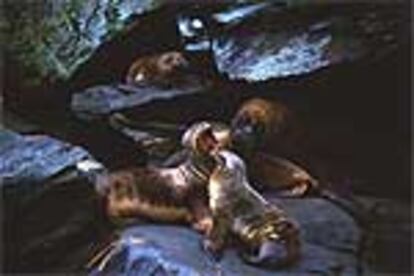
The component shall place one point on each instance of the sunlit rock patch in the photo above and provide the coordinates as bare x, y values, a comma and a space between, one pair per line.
35, 158
50, 39
263, 60
102, 100
261, 49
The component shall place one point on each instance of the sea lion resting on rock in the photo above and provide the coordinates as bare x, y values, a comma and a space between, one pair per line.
163, 69
268, 237
286, 177
257, 121
176, 194
260, 122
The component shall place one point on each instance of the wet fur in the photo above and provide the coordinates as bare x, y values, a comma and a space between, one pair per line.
229, 191
261, 123
153, 193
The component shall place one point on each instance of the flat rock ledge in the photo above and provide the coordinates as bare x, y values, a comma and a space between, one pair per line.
329, 238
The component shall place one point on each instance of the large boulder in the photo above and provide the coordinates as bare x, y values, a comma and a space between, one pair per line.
329, 239
279, 42
50, 211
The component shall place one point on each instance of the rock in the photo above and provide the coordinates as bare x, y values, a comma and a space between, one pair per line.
195, 27
49, 210
50, 226
35, 158
103, 100
328, 236
323, 223
281, 42
387, 248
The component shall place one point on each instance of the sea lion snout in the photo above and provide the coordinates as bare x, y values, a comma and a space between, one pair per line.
173, 61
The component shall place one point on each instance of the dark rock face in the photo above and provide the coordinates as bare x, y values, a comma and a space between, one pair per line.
143, 250
50, 214
390, 232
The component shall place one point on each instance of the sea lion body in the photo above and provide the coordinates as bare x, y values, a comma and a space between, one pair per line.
161, 194
268, 124
281, 174
163, 69
173, 194
241, 211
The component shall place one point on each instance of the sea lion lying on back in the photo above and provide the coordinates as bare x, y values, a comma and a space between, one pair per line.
174, 194
268, 237
164, 69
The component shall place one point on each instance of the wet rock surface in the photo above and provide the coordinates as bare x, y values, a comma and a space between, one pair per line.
35, 158
176, 250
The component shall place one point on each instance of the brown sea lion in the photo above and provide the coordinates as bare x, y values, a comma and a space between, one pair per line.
162, 69
175, 194
267, 124
257, 122
261, 124
268, 237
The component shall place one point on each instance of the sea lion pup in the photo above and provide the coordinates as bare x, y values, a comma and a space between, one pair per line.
163, 69
268, 237
175, 194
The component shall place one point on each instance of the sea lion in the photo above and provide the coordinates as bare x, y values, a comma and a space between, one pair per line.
164, 69
281, 174
257, 122
175, 194
268, 237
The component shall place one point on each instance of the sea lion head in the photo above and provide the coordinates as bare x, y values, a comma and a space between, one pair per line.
199, 138
257, 121
206, 137
172, 62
